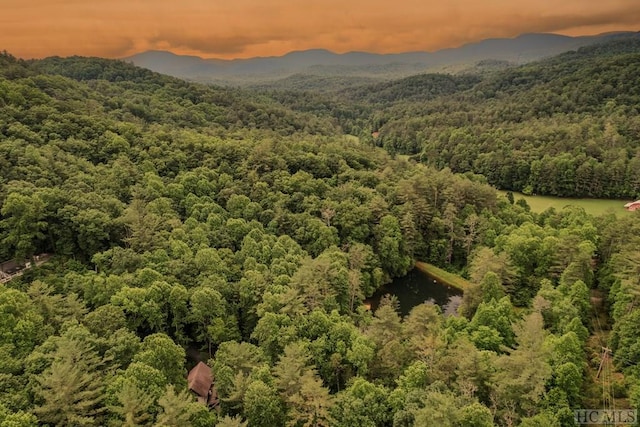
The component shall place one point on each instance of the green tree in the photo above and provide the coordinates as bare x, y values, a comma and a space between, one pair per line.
207, 312
475, 415
93, 230
160, 352
484, 260
21, 329
233, 358
20, 419
496, 315
262, 405
543, 419
489, 288
390, 247
273, 332
362, 404
423, 327
133, 406
143, 227
71, 389
140, 381
176, 409
522, 375
386, 332
468, 369
439, 408
105, 320
143, 307
16, 419
324, 281
307, 400
23, 223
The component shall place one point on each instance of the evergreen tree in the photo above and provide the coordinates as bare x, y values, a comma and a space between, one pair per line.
71, 389
133, 406
176, 409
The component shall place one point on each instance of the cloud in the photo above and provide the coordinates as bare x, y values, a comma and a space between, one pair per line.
205, 43
243, 28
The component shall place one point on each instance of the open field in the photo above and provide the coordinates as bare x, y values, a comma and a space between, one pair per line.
592, 206
443, 276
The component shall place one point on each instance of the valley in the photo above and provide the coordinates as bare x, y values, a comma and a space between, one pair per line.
246, 226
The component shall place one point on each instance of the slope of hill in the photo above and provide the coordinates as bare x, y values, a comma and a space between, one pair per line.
314, 83
221, 224
567, 126
521, 49
119, 89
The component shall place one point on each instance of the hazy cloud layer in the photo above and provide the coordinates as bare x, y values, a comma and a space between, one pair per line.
244, 28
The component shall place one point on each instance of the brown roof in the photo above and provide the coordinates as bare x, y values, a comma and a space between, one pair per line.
10, 266
200, 379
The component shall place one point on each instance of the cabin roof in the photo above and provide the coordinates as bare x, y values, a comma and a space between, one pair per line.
200, 379
12, 264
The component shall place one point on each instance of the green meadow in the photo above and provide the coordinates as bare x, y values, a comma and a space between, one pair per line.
443, 276
592, 206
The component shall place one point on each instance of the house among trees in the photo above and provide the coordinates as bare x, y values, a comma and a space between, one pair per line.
200, 381
13, 268
632, 206
10, 267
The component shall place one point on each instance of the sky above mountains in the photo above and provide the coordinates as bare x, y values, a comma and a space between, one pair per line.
248, 28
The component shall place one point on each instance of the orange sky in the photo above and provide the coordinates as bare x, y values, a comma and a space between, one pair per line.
246, 28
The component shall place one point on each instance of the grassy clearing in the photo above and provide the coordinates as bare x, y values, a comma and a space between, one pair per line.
443, 276
591, 206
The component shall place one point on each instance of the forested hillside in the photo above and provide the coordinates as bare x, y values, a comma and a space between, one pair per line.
245, 230
566, 126
334, 67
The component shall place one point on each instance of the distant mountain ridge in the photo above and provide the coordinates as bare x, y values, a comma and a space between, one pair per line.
518, 50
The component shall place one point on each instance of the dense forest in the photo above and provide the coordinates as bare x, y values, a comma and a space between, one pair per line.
245, 228
566, 126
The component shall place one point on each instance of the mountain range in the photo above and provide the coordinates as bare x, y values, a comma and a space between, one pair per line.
320, 62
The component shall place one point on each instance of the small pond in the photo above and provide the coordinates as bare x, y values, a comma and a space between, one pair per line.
418, 287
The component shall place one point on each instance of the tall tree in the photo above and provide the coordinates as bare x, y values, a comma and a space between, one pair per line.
160, 352
71, 389
23, 223
522, 374
176, 409
133, 406
262, 405
307, 399
143, 226
207, 312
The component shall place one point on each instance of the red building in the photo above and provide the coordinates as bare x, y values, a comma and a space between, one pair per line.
632, 206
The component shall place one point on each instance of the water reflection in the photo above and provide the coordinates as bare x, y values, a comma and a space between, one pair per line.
416, 288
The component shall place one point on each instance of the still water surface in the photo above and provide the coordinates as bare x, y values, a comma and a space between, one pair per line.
418, 287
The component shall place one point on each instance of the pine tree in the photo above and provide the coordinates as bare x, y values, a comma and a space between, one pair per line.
133, 406
522, 374
307, 399
177, 409
71, 388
